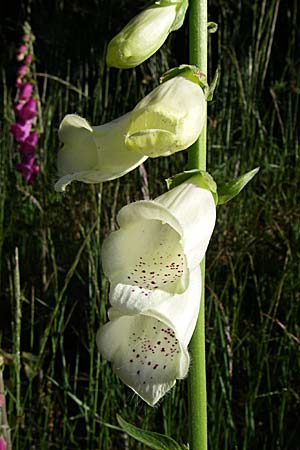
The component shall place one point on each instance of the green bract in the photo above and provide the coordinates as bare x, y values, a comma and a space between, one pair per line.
167, 120
145, 34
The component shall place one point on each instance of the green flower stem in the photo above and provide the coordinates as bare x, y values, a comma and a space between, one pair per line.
197, 160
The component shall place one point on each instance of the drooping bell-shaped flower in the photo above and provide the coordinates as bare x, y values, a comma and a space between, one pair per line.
149, 351
145, 33
167, 120
150, 258
94, 154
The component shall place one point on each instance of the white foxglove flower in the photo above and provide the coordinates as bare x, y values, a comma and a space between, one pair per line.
145, 34
94, 154
149, 351
167, 120
149, 259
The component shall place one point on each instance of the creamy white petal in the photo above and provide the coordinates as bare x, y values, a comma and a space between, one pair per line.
140, 355
159, 242
149, 351
145, 260
167, 120
94, 154
180, 312
195, 210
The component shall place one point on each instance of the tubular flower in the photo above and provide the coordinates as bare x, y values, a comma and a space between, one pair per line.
167, 120
149, 351
94, 154
145, 34
150, 258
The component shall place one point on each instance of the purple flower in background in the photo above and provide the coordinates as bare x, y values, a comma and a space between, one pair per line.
22, 48
22, 70
25, 91
27, 111
2, 443
28, 59
19, 82
28, 167
21, 52
29, 145
21, 130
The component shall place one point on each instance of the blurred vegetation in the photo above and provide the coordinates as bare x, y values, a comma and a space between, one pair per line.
60, 394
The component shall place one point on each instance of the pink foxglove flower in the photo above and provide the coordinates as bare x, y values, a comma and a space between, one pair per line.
28, 59
25, 91
22, 70
21, 130
19, 82
26, 111
22, 48
30, 144
28, 168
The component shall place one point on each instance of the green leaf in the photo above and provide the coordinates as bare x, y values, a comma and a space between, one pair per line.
153, 440
202, 178
234, 187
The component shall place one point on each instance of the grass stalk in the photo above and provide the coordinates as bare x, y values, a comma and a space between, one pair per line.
17, 346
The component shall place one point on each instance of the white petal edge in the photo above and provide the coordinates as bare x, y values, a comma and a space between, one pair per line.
105, 146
